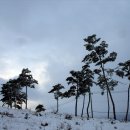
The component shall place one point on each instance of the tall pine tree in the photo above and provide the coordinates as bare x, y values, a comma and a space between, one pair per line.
27, 80
98, 55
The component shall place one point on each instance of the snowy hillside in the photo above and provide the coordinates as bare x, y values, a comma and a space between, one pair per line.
11, 119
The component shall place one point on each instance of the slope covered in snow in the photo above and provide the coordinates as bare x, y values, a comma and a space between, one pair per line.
11, 119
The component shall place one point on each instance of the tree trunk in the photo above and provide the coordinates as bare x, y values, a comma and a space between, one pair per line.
10, 103
76, 103
10, 98
26, 97
15, 104
113, 105
91, 104
15, 100
57, 105
83, 105
108, 113
88, 106
128, 98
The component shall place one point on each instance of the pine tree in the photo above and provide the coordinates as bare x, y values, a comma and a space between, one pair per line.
85, 87
124, 71
101, 81
27, 80
6, 92
56, 90
99, 56
74, 80
12, 93
40, 108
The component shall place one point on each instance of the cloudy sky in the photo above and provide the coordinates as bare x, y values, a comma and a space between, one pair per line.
46, 36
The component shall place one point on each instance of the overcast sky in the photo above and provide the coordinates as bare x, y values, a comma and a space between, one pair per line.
46, 36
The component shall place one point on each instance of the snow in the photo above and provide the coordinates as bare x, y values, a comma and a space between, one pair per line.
13, 119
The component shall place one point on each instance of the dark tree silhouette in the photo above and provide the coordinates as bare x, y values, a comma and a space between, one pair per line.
6, 92
102, 83
124, 71
56, 90
79, 85
75, 80
12, 93
40, 108
26, 80
85, 87
98, 56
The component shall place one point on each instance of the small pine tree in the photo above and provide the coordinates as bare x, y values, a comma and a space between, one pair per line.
74, 80
86, 84
12, 93
56, 90
40, 108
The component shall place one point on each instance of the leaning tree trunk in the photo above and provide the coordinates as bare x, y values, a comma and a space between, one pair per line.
108, 112
88, 106
83, 105
26, 97
91, 104
113, 104
128, 98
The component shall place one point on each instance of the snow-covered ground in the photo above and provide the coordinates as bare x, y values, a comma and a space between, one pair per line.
11, 119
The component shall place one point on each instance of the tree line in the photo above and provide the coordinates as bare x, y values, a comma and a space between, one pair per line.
94, 72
